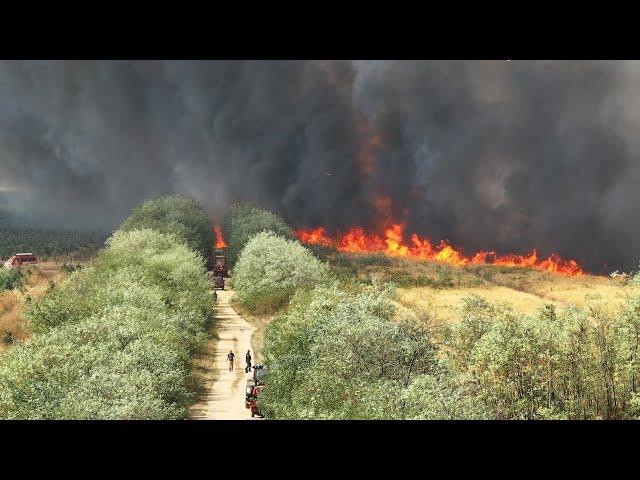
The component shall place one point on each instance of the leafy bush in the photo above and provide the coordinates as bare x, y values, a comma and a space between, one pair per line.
270, 269
445, 279
179, 215
570, 363
10, 279
247, 221
8, 338
339, 355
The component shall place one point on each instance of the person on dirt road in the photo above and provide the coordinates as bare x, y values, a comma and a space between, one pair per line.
230, 360
248, 359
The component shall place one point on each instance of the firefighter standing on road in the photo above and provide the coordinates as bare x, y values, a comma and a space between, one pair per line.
230, 359
248, 359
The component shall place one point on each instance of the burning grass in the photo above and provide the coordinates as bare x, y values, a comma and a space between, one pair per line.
357, 240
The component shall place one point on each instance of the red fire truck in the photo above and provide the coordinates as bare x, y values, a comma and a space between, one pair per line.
20, 259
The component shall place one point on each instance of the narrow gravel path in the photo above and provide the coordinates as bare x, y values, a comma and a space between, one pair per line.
224, 397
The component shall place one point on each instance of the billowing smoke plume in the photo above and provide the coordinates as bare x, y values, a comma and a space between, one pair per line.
490, 155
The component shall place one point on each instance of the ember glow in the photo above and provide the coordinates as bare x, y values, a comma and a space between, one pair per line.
356, 240
220, 243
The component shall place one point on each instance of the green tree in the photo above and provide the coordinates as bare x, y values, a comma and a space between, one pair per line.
179, 215
271, 268
246, 221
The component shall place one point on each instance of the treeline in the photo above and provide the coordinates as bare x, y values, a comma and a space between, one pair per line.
178, 215
115, 339
341, 349
46, 243
245, 221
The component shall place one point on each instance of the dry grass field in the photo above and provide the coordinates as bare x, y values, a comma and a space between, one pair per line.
440, 288
13, 325
523, 290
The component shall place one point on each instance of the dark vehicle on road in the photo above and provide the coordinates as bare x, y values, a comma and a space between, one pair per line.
220, 263
218, 282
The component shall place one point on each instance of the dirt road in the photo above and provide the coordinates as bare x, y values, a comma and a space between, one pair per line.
224, 396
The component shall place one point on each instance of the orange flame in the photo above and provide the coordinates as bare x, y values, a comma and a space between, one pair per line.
356, 240
220, 243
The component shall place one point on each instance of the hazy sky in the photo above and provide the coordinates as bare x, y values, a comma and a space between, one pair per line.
492, 155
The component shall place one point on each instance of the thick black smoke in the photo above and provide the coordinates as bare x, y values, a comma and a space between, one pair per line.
490, 155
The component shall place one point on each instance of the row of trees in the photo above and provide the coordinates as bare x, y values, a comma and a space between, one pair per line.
46, 243
115, 340
178, 215
338, 349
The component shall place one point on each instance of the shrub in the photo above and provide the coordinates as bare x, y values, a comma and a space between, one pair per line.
10, 279
270, 269
570, 363
445, 279
247, 221
8, 338
324, 253
179, 215
342, 355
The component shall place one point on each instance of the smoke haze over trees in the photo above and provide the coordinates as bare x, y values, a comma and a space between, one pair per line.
490, 155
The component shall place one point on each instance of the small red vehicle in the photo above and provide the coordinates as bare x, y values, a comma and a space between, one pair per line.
252, 400
20, 259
